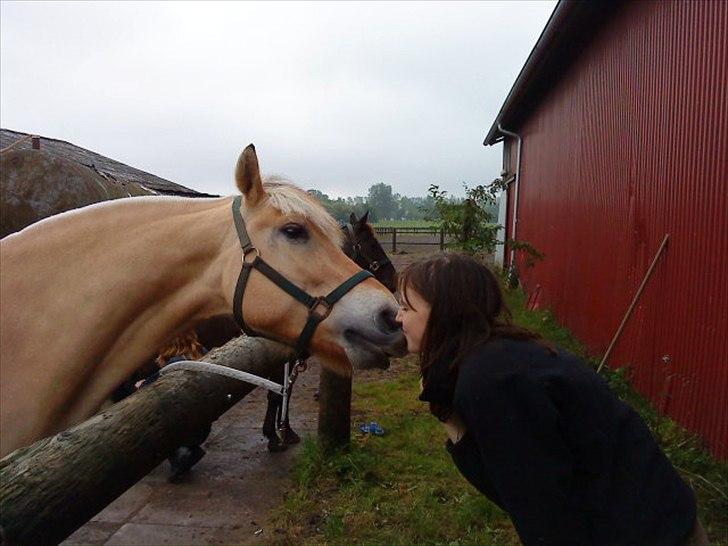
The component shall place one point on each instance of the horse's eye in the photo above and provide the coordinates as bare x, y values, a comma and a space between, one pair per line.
295, 232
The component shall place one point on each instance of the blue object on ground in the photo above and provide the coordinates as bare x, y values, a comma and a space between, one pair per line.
372, 428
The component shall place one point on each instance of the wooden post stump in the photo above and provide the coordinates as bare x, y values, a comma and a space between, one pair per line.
51, 488
334, 423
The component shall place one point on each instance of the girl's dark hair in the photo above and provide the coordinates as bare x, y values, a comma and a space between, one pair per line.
467, 309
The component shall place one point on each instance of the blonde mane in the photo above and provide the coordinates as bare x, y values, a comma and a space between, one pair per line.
290, 199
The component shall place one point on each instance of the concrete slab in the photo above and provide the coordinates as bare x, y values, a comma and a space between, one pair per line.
141, 534
134, 533
126, 505
94, 532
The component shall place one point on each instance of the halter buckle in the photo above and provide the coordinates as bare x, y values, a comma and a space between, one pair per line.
320, 301
247, 251
374, 266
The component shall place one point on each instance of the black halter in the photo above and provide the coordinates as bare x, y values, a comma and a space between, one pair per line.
313, 303
358, 256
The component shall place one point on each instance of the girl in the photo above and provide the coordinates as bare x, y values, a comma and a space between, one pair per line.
532, 427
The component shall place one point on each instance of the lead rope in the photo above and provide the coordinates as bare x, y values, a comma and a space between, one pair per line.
284, 390
289, 379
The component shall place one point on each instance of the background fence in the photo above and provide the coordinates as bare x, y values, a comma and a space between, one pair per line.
411, 239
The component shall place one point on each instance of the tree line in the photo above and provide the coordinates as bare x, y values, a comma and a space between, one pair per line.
383, 204
470, 222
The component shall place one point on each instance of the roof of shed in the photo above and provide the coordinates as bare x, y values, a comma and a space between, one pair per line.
572, 25
105, 166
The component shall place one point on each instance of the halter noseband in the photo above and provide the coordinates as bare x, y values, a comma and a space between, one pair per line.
370, 265
319, 307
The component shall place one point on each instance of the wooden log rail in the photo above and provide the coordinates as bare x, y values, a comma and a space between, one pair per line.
51, 488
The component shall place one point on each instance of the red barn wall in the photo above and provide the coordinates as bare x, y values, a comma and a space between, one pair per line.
630, 145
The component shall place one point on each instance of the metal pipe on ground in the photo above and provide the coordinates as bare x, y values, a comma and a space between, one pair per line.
516, 190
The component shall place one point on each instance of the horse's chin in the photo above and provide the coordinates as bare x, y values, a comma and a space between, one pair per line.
366, 356
356, 351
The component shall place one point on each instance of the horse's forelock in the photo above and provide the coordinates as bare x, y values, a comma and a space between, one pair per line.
290, 199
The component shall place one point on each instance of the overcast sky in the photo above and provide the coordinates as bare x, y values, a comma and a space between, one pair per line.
336, 96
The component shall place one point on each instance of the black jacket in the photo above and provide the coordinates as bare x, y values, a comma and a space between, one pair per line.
549, 442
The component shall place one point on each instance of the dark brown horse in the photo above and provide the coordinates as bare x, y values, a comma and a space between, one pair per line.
362, 246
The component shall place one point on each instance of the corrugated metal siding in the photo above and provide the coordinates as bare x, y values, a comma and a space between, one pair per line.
632, 144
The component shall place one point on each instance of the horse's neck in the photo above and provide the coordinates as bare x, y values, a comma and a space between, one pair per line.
117, 280
167, 259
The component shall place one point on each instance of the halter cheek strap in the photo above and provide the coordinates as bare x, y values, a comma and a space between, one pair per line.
318, 307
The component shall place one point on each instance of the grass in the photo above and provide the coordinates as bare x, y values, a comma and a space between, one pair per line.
402, 488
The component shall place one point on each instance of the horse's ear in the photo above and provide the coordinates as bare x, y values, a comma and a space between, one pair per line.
363, 219
247, 176
352, 219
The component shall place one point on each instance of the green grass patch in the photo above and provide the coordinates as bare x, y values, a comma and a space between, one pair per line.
402, 488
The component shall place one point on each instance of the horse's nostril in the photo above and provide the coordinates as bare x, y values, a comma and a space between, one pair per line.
387, 320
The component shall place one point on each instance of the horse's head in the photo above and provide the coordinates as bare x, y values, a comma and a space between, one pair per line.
295, 235
362, 246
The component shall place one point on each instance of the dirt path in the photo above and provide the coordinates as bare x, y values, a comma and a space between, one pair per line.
228, 495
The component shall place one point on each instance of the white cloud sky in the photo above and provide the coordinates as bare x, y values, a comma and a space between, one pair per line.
336, 96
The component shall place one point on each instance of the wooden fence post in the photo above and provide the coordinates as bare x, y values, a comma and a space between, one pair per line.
442, 239
394, 240
334, 422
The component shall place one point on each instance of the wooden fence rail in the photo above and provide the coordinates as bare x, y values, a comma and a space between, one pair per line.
393, 232
51, 488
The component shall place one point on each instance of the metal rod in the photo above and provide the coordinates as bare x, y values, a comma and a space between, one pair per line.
517, 189
634, 302
286, 390
197, 366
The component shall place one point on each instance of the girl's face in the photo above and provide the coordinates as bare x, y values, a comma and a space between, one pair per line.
413, 319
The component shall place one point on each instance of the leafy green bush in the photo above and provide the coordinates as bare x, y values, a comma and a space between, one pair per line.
470, 222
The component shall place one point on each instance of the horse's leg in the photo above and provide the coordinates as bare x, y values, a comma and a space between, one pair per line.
291, 436
275, 405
